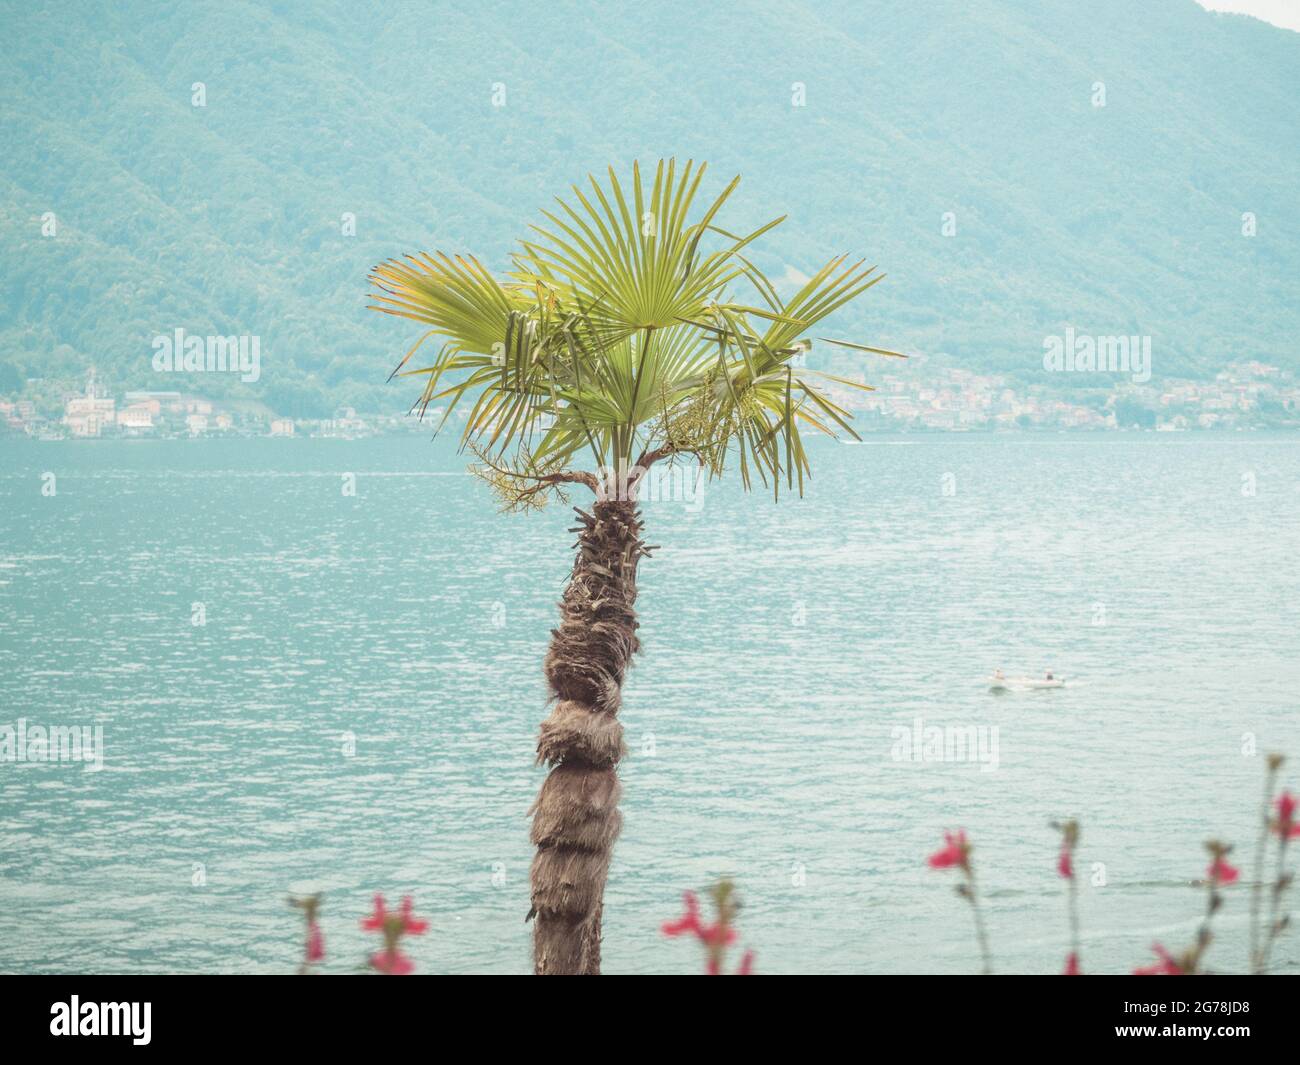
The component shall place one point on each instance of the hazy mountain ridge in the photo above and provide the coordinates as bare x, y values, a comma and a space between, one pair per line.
226, 218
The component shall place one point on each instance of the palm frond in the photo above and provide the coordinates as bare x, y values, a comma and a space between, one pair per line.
615, 334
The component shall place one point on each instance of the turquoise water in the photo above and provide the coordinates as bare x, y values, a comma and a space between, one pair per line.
358, 711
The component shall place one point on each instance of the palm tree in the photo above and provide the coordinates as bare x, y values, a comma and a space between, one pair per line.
615, 342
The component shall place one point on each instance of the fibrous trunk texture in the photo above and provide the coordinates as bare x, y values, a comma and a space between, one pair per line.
575, 817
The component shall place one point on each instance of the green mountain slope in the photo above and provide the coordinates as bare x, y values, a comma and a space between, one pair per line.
226, 219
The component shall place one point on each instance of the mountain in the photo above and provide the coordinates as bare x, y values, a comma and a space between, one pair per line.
228, 218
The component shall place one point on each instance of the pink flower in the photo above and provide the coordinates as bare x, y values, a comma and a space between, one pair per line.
410, 924
1072, 965
689, 921
1286, 826
315, 943
1286, 806
375, 922
392, 962
712, 935
1220, 872
1064, 865
956, 851
716, 937
394, 926
1166, 966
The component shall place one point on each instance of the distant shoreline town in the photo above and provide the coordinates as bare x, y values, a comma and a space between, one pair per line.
96, 414
1243, 396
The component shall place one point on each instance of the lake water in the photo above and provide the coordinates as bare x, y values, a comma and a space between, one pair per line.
359, 709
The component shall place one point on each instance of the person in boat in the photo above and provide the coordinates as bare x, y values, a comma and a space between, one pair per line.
1049, 675
997, 675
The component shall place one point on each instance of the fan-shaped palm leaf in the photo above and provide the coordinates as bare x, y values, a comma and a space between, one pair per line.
617, 336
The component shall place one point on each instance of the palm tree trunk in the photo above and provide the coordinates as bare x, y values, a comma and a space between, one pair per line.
576, 817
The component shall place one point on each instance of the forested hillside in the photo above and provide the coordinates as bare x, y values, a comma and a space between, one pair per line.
228, 218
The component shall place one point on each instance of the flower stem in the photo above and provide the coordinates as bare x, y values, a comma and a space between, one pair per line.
1204, 935
1275, 899
1257, 879
980, 934
1074, 916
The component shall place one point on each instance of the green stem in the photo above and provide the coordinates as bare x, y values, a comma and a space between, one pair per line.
1203, 935
1257, 880
980, 934
1275, 899
1074, 910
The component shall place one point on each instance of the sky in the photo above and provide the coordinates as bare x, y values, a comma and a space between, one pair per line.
1279, 12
